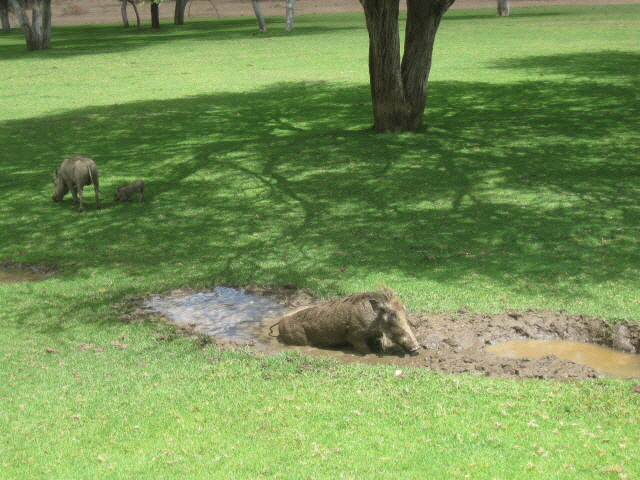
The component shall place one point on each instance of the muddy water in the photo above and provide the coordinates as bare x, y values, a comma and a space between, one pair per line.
601, 359
20, 274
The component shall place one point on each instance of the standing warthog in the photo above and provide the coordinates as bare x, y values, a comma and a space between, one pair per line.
361, 320
125, 192
73, 175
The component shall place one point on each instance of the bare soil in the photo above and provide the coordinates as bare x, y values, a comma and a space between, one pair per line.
83, 12
453, 343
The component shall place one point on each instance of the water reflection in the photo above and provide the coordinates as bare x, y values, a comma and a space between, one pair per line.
601, 359
227, 313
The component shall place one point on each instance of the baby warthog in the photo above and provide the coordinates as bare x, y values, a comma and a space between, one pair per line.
73, 175
362, 320
125, 192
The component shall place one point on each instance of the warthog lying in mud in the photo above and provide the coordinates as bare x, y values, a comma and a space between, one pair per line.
125, 192
361, 320
73, 175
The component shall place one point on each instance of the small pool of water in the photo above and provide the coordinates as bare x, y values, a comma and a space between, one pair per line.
601, 359
18, 274
227, 313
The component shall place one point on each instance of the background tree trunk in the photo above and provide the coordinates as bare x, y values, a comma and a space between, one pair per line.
37, 32
178, 16
135, 9
4, 16
399, 89
503, 8
155, 15
123, 11
290, 15
258, 11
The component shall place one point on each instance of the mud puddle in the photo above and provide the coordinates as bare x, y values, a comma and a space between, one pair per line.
18, 273
601, 359
452, 343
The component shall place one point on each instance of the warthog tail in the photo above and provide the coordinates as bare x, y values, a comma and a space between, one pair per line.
92, 182
271, 329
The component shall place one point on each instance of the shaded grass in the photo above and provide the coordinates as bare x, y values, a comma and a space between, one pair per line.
519, 191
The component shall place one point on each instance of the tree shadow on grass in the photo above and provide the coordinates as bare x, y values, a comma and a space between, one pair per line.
607, 65
536, 181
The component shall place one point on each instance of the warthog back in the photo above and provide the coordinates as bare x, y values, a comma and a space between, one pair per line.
72, 176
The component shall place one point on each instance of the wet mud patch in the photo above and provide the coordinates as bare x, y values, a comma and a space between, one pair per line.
24, 272
461, 343
454, 343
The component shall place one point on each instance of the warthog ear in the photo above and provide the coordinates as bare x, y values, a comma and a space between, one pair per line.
376, 304
379, 307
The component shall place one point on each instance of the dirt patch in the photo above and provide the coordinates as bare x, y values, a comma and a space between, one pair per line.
452, 343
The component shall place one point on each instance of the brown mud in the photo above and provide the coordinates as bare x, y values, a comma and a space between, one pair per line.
453, 343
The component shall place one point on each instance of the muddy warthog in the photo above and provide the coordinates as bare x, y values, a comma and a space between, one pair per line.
361, 320
125, 192
73, 175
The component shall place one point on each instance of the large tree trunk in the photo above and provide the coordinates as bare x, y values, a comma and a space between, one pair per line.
399, 88
503, 8
37, 32
155, 15
390, 107
290, 15
258, 11
178, 16
4, 16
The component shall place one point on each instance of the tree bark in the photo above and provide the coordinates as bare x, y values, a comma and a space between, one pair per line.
37, 32
399, 88
135, 9
155, 15
178, 16
503, 8
4, 16
123, 11
258, 11
290, 15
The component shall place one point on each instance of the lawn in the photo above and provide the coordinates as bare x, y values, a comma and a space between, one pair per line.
520, 190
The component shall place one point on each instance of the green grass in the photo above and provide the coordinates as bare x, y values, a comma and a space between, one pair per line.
519, 191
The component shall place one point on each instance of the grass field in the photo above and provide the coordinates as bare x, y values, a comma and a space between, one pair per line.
521, 190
